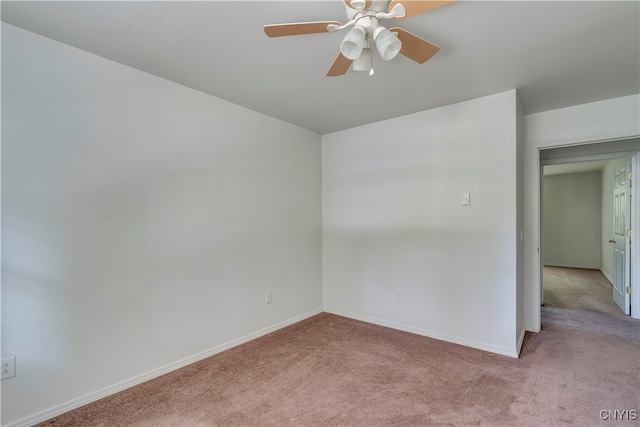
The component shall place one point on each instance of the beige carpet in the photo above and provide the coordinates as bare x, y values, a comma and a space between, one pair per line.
578, 289
329, 370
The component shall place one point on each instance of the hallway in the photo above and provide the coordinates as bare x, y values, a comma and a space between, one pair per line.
578, 289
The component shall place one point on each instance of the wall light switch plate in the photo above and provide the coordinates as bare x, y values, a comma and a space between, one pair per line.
466, 199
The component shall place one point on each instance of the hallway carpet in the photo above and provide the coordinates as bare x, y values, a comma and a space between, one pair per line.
578, 289
330, 370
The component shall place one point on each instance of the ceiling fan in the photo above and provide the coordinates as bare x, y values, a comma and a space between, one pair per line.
365, 16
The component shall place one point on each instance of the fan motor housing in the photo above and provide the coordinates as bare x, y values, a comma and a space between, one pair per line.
376, 7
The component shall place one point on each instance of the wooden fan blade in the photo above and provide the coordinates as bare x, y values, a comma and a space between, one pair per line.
413, 47
340, 66
297, 28
416, 7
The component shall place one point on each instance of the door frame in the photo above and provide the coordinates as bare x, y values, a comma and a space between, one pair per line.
536, 294
635, 235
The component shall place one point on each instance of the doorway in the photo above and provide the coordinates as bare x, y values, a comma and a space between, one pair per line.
578, 156
577, 224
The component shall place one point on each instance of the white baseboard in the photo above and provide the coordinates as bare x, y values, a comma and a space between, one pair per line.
605, 274
426, 333
565, 265
123, 385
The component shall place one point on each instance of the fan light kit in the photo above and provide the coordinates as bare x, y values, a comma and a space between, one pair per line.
365, 17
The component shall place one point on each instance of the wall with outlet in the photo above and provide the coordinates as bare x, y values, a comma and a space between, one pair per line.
400, 246
142, 222
8, 367
572, 220
145, 219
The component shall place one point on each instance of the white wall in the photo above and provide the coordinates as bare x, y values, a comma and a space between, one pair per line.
393, 222
597, 121
572, 220
607, 216
142, 223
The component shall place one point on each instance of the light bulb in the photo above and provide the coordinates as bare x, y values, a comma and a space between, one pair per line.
388, 43
352, 44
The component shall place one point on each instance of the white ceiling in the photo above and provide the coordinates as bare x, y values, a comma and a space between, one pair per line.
556, 54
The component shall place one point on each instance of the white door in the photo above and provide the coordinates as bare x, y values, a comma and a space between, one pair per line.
621, 253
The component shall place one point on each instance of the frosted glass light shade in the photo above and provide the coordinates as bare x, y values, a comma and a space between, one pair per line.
363, 62
388, 43
352, 44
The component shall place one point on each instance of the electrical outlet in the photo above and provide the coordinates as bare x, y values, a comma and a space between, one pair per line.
267, 297
8, 367
398, 297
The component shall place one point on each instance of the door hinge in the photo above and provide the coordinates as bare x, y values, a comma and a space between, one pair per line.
629, 233
629, 290
629, 176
